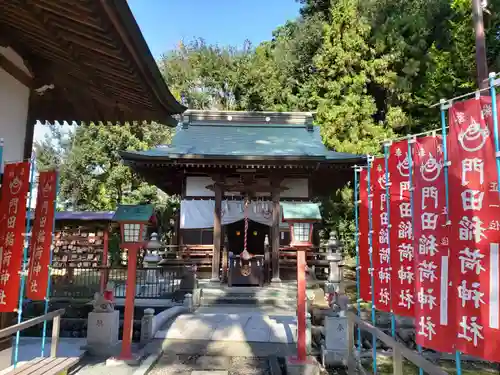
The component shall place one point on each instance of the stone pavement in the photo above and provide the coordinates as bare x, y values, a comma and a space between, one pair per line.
234, 324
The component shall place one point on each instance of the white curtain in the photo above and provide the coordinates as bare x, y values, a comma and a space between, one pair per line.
197, 214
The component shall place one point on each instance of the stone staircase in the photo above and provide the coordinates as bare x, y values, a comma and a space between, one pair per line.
282, 296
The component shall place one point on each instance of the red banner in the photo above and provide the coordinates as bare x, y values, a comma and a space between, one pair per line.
363, 246
41, 236
475, 236
433, 323
401, 234
380, 238
15, 188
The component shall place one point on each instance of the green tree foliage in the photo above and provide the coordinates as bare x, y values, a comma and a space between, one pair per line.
92, 176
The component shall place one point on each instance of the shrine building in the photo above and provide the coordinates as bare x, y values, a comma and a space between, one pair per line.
218, 161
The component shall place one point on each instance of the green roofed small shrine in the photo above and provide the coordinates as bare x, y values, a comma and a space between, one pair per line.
218, 160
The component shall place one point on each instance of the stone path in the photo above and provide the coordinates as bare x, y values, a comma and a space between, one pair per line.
237, 325
181, 364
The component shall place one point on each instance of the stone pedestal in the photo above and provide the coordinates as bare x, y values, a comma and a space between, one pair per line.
102, 333
334, 352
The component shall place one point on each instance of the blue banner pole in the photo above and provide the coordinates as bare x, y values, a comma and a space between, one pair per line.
49, 277
494, 110
388, 211
1, 155
356, 240
410, 187
444, 107
25, 259
370, 253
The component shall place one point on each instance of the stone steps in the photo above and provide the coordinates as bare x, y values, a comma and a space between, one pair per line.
249, 296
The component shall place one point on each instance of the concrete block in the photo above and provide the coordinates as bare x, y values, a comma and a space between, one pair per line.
336, 333
102, 332
309, 367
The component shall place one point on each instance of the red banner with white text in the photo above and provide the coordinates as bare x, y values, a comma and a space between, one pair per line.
363, 246
15, 189
401, 234
475, 238
431, 232
380, 238
41, 237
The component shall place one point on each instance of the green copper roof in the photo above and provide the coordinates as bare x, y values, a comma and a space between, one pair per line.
134, 213
300, 211
237, 140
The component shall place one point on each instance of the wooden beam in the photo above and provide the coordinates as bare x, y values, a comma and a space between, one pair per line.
217, 233
16, 72
30, 323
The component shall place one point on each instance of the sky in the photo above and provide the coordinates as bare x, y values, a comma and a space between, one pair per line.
164, 23
225, 22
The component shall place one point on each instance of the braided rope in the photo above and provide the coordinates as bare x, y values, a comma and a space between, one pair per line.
246, 226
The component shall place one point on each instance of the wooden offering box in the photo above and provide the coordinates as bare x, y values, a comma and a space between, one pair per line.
246, 272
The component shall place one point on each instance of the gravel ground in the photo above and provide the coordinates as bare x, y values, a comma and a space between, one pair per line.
184, 364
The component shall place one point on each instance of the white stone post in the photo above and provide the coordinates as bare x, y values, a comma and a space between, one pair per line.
188, 302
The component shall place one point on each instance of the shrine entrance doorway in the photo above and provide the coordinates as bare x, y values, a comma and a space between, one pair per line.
255, 237
250, 271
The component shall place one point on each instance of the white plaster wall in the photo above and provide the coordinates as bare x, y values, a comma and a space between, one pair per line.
14, 99
297, 187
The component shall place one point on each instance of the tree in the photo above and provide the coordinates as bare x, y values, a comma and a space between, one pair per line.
92, 176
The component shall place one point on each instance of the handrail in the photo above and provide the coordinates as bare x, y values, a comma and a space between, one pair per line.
53, 315
399, 350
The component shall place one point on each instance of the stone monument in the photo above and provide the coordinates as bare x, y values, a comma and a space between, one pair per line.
103, 328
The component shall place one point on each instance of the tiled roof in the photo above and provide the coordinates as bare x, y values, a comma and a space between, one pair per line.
244, 140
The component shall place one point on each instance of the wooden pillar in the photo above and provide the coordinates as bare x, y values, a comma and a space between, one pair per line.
275, 232
30, 129
217, 233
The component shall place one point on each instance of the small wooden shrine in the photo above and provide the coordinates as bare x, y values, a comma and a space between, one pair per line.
232, 170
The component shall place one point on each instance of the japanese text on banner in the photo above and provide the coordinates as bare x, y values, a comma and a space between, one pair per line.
401, 234
15, 190
363, 228
41, 238
381, 253
431, 246
475, 236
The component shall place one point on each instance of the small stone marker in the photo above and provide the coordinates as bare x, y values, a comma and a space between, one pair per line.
334, 352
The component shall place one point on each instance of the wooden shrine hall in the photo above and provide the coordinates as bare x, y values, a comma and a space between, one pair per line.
232, 170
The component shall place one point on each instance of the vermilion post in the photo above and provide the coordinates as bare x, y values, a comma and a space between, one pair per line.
128, 322
301, 305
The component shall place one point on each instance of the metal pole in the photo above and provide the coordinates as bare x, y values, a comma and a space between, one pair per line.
49, 277
1, 155
481, 62
494, 112
356, 239
370, 253
410, 183
25, 259
388, 211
